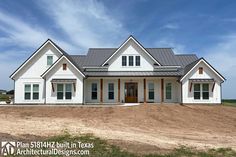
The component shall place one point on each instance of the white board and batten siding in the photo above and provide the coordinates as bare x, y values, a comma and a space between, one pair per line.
214, 97
31, 74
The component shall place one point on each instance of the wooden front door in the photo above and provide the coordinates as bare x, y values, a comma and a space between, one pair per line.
131, 92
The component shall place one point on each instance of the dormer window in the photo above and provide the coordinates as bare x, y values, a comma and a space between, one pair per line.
200, 70
124, 60
49, 60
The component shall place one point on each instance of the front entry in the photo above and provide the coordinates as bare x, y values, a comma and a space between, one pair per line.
131, 92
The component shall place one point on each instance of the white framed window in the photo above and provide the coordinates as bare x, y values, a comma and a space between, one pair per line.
205, 91
27, 91
64, 91
49, 60
68, 92
31, 91
110, 91
197, 91
151, 92
168, 90
35, 91
60, 91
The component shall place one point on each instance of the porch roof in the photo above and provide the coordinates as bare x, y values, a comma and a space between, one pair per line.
133, 73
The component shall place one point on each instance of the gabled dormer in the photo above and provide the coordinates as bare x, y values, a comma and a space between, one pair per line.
131, 56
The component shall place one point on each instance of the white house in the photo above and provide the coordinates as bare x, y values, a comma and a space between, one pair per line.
129, 73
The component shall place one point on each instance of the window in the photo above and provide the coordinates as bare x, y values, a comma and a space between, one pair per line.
110, 91
137, 60
27, 91
151, 91
35, 91
131, 60
205, 91
200, 69
64, 66
60, 90
94, 91
197, 93
168, 90
68, 91
49, 60
124, 60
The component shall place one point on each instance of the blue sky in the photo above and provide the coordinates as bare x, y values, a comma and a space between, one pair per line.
207, 28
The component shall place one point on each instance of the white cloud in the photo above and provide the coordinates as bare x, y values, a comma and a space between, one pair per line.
170, 26
223, 57
86, 23
167, 42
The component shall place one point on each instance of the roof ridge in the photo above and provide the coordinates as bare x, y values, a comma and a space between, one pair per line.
187, 54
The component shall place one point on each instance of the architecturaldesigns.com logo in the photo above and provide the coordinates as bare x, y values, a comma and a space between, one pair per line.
7, 148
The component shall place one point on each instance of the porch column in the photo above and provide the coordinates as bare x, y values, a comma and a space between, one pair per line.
101, 90
162, 90
118, 90
144, 90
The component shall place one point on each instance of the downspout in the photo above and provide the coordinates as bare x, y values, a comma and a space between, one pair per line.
14, 92
83, 103
44, 91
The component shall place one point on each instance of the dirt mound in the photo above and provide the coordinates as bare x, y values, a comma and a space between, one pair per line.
163, 126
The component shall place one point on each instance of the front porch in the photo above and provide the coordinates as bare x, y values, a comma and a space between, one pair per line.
116, 90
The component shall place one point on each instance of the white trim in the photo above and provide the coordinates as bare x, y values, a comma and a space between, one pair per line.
45, 73
202, 60
137, 44
48, 41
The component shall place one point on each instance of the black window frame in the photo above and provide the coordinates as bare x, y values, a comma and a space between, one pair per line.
131, 60
111, 91
94, 91
137, 60
168, 91
151, 91
124, 61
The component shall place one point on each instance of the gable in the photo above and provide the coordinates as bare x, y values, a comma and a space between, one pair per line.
58, 72
130, 49
57, 67
131, 38
208, 72
36, 64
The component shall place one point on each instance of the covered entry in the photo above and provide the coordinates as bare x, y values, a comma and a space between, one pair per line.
131, 92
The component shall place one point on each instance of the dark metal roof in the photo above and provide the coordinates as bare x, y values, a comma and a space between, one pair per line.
97, 56
133, 73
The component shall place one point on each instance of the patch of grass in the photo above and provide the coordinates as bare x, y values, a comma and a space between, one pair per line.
229, 102
3, 97
103, 149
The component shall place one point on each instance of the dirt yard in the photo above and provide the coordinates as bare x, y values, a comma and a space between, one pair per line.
159, 126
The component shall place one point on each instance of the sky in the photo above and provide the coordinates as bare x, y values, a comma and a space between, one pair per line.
206, 28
